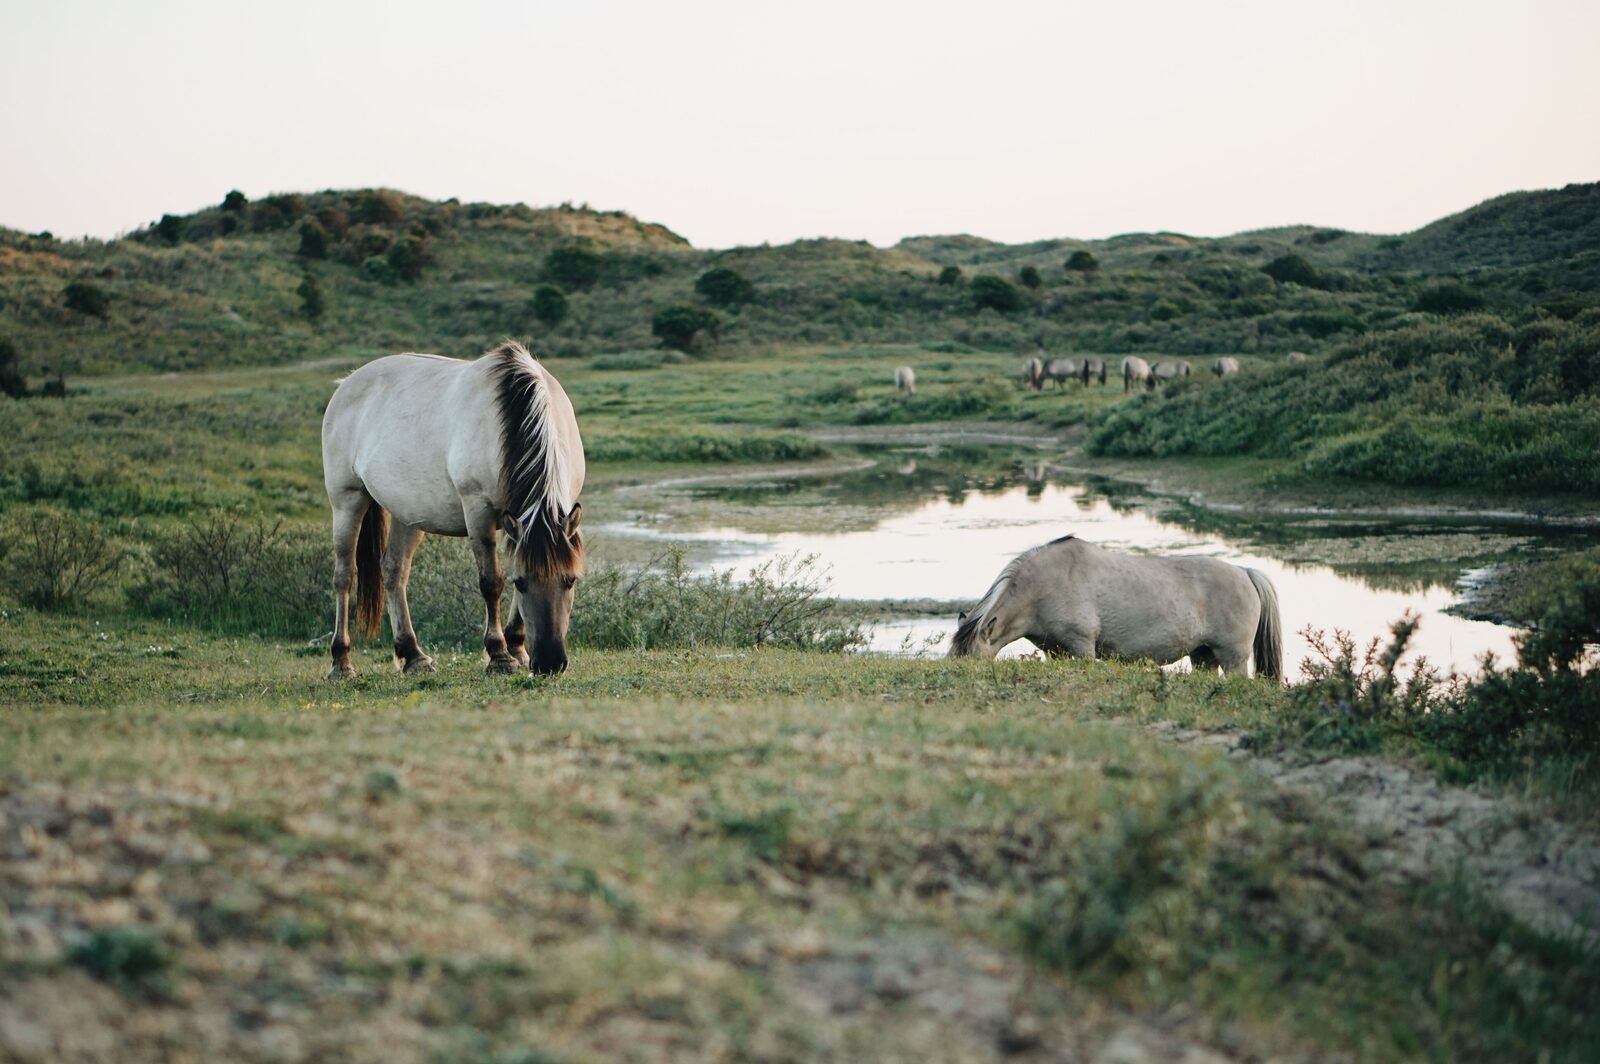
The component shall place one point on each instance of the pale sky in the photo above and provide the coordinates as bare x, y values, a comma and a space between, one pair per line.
737, 123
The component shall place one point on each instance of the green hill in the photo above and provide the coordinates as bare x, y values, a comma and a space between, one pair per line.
300, 276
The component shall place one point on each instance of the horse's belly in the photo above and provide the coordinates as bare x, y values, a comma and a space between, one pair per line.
418, 499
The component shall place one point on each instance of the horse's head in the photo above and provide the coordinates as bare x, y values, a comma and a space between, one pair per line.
975, 636
545, 566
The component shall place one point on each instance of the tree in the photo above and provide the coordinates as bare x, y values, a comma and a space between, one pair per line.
723, 287
573, 268
234, 202
86, 298
170, 228
1293, 269
1082, 262
950, 275
549, 305
376, 207
407, 256
312, 302
12, 382
681, 326
1029, 276
313, 240
995, 293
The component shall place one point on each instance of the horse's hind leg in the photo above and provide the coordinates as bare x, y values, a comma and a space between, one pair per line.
348, 509
491, 582
396, 575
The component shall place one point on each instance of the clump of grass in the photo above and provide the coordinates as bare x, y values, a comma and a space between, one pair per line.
51, 558
130, 958
665, 604
696, 447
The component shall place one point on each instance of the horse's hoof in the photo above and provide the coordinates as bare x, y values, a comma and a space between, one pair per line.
419, 665
341, 672
501, 666
521, 656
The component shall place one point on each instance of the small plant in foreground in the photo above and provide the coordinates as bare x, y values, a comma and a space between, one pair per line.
52, 557
132, 959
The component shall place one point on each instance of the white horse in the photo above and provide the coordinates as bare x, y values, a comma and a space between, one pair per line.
1033, 374
1072, 598
1224, 367
457, 449
905, 380
1136, 370
1171, 369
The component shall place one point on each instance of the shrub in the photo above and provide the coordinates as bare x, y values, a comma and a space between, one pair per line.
1293, 269
170, 228
132, 959
407, 256
275, 212
995, 293
723, 287
549, 305
950, 275
376, 207
86, 298
312, 302
52, 557
665, 604
1029, 277
235, 202
237, 572
376, 268
572, 268
12, 382
313, 240
683, 327
1450, 297
1082, 262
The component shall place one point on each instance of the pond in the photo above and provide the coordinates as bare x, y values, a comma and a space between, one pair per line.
905, 530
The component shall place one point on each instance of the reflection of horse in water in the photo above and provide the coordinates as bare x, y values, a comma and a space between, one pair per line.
1072, 598
1035, 476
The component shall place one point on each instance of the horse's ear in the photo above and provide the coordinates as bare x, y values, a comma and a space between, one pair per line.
989, 626
574, 515
961, 617
509, 526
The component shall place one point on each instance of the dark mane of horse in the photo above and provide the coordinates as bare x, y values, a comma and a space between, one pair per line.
544, 547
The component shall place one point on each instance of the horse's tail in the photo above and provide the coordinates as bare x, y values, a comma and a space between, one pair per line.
1268, 646
369, 570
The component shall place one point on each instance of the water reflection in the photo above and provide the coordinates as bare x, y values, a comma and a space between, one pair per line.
943, 534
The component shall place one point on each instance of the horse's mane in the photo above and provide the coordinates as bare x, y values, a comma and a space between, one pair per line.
534, 466
967, 630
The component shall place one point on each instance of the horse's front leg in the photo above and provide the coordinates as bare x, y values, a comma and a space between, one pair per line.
491, 582
517, 635
396, 575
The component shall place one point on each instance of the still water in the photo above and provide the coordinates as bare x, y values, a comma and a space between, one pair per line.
951, 546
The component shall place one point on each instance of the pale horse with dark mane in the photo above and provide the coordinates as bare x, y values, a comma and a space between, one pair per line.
1075, 599
455, 448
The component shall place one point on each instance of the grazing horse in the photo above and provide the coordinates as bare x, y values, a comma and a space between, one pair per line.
1297, 356
457, 449
1033, 374
905, 380
1224, 366
1170, 370
1072, 598
1094, 367
1062, 370
1136, 370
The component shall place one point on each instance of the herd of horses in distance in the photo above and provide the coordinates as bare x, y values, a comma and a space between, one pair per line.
414, 444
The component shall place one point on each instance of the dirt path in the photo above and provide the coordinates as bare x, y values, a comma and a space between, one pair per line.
1543, 872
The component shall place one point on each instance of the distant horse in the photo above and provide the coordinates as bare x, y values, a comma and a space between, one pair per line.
1062, 370
905, 380
1224, 366
1170, 370
457, 449
1074, 599
1136, 370
1297, 356
1033, 374
1094, 367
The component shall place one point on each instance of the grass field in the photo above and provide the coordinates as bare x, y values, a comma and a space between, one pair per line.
207, 851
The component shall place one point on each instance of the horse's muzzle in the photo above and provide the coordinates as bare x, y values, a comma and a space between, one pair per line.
548, 664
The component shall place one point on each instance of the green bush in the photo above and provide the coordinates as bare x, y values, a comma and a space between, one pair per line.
86, 298
950, 275
275, 213
665, 604
572, 268
407, 257
1451, 297
684, 327
723, 287
376, 207
1293, 269
170, 228
52, 558
235, 202
132, 959
1082, 262
313, 304
378, 269
549, 305
313, 240
12, 382
1029, 277
995, 293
